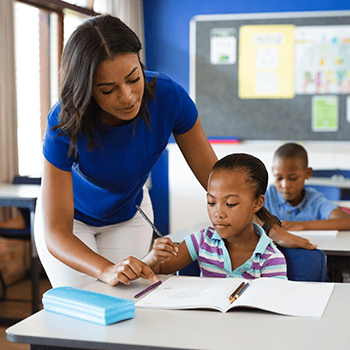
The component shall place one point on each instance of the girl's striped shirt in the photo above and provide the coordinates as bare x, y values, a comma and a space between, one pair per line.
209, 249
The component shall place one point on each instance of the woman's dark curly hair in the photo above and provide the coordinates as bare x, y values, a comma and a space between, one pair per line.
95, 40
257, 178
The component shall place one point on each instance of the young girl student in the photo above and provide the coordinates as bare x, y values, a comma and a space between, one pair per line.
234, 246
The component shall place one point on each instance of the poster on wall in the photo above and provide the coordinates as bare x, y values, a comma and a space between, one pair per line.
322, 60
325, 113
266, 61
223, 43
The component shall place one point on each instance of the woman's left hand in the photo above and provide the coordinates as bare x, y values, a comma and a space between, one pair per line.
293, 225
288, 240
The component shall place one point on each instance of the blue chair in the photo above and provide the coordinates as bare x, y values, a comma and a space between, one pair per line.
305, 265
190, 270
302, 265
329, 173
331, 193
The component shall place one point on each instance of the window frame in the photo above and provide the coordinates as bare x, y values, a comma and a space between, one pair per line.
45, 8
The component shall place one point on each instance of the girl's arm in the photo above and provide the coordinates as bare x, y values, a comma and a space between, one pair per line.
58, 215
166, 257
198, 152
338, 220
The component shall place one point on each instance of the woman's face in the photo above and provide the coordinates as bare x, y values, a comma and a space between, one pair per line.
118, 88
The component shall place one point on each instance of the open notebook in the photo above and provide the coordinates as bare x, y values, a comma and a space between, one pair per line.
271, 294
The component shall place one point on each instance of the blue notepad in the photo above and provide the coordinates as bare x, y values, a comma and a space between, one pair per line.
89, 306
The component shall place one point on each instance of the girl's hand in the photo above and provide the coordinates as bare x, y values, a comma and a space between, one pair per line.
163, 249
293, 225
127, 270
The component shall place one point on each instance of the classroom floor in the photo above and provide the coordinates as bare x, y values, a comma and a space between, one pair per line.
18, 305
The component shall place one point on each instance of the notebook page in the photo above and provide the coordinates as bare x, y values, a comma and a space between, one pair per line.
192, 292
307, 299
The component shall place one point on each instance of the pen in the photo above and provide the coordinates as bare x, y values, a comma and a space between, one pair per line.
154, 285
151, 224
237, 290
239, 293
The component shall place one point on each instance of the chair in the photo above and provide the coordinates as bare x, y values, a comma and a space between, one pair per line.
305, 265
18, 233
302, 265
190, 270
332, 193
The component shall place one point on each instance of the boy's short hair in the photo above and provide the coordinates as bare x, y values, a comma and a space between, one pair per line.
292, 151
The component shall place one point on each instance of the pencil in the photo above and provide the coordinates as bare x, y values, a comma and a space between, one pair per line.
239, 293
236, 291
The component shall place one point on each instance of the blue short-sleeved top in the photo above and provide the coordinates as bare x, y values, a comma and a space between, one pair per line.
108, 181
315, 206
210, 250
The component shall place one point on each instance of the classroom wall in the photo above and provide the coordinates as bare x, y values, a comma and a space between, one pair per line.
167, 26
167, 50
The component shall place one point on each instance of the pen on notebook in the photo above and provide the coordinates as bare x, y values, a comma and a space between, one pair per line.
151, 223
234, 293
239, 293
154, 285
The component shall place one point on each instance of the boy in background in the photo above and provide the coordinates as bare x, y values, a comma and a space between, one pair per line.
300, 208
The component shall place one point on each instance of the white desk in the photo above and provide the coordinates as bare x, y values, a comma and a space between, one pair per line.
191, 329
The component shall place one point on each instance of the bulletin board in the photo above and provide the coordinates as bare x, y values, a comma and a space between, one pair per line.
272, 76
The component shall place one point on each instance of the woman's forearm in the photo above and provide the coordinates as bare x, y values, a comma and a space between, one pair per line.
71, 251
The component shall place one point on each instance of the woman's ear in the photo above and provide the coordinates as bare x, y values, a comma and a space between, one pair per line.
259, 202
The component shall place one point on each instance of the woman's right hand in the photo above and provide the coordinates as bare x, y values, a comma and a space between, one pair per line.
127, 270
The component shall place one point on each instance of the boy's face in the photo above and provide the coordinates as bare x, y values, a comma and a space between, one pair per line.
231, 204
290, 176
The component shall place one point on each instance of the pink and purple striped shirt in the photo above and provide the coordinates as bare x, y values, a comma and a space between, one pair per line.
209, 249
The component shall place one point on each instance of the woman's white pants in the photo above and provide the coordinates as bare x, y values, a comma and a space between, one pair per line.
114, 242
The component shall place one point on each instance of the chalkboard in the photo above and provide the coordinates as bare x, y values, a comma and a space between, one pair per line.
272, 76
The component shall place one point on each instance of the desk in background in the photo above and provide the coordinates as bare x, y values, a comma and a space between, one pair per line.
243, 329
25, 196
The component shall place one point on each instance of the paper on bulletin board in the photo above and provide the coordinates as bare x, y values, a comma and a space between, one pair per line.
266, 61
322, 59
325, 113
223, 42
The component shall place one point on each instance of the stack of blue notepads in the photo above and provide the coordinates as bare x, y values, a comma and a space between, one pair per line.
89, 306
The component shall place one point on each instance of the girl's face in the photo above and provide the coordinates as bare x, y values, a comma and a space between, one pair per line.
118, 88
290, 176
231, 204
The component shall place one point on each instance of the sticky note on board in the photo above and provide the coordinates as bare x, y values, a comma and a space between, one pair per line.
266, 61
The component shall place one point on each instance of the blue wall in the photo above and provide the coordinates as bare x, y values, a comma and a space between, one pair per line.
167, 26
